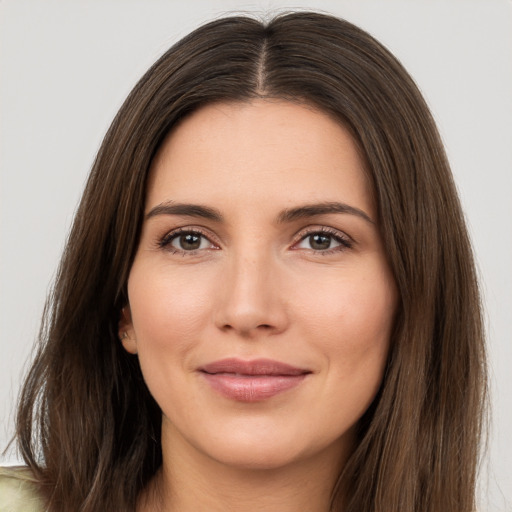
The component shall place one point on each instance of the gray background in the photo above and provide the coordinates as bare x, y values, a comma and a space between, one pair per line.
65, 68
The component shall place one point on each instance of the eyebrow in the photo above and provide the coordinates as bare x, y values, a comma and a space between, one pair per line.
190, 210
286, 216
310, 210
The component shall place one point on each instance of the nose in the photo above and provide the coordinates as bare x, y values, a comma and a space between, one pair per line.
251, 302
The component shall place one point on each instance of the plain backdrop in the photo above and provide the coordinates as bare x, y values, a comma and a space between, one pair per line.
65, 68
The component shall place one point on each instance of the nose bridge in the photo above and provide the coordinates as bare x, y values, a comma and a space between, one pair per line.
251, 298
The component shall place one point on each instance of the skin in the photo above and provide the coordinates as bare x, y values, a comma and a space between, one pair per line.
258, 286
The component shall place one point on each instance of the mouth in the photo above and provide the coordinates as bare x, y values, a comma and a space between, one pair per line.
252, 381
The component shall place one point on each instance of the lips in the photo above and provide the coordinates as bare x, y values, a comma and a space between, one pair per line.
252, 381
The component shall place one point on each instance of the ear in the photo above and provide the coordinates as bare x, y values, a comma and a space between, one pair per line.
126, 331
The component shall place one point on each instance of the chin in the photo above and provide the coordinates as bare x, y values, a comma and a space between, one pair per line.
270, 448
258, 456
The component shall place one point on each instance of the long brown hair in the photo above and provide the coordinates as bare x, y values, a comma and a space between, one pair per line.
87, 425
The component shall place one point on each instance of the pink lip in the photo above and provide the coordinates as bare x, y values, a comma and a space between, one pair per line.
252, 381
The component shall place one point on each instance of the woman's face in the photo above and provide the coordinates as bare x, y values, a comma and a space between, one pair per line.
260, 298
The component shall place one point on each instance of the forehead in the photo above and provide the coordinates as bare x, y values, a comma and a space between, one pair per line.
264, 151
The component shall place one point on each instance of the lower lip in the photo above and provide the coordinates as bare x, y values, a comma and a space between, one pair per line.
251, 388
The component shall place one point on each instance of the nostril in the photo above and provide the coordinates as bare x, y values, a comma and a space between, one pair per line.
247, 330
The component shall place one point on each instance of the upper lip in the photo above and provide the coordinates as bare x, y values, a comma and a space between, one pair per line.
253, 367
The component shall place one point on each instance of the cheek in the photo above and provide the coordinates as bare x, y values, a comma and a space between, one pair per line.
167, 310
351, 318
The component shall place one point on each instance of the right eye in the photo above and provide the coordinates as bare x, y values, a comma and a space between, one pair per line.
186, 241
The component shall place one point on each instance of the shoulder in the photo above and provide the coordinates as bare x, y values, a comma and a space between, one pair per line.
18, 491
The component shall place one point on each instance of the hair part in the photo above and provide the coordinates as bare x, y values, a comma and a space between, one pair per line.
87, 424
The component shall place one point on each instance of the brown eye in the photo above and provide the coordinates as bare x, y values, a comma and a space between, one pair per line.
324, 241
186, 241
320, 242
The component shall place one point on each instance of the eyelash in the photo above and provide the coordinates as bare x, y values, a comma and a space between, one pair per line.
166, 240
344, 241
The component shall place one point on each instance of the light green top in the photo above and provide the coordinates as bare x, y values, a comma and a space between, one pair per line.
18, 491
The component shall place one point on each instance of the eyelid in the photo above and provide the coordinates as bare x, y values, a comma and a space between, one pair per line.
345, 240
163, 242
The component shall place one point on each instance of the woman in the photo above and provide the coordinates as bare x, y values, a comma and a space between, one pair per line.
268, 299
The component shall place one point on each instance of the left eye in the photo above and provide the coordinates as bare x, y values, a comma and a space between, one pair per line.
319, 242
189, 241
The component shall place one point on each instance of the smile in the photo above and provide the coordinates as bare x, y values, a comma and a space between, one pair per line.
252, 381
